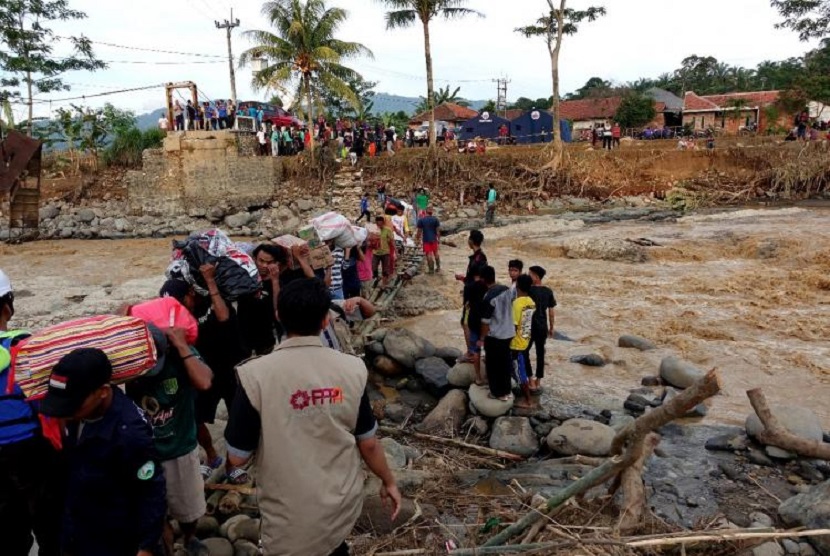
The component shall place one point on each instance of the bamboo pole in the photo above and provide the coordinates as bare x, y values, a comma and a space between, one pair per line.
738, 535
776, 435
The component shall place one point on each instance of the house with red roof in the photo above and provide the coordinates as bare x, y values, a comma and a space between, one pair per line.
447, 112
733, 112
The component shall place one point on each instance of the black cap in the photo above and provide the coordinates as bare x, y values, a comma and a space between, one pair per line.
74, 378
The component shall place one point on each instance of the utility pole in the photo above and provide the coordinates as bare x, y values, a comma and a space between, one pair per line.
501, 95
228, 26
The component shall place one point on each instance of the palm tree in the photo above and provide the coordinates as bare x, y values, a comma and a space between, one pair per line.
302, 53
405, 13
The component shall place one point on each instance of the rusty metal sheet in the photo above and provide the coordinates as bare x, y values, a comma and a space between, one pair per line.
15, 154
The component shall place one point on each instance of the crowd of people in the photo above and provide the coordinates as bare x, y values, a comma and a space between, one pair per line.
506, 321
125, 461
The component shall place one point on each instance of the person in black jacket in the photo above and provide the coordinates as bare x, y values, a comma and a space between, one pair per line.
115, 500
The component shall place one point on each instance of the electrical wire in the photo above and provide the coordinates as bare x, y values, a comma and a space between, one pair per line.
142, 49
147, 87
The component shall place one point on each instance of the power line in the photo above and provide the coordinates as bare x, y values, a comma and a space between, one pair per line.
177, 53
147, 62
83, 97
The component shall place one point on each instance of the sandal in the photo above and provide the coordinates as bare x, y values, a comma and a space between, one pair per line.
238, 476
207, 469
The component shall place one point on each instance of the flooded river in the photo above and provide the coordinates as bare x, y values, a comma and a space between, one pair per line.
747, 292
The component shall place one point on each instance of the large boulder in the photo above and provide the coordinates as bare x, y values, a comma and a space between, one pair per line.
449, 354
247, 530
800, 421
678, 372
605, 249
376, 516
238, 220
636, 342
395, 453
433, 371
245, 548
483, 404
589, 359
86, 215
218, 546
810, 510
387, 366
406, 348
514, 435
447, 417
462, 375
581, 437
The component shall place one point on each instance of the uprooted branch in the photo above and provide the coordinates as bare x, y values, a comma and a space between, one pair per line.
634, 440
633, 489
776, 435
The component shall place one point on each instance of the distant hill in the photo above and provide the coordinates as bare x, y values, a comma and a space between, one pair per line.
384, 102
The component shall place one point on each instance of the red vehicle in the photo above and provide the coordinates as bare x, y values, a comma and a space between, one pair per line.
273, 114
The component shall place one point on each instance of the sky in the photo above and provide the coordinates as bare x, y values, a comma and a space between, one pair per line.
637, 38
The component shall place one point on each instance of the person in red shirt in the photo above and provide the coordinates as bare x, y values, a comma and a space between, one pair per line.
616, 133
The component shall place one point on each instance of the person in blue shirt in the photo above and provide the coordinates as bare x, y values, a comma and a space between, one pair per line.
30, 485
223, 115
364, 209
115, 496
429, 231
252, 111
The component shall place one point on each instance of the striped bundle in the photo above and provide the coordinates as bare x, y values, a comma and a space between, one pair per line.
126, 340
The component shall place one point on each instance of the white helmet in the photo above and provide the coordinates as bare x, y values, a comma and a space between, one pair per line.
5, 284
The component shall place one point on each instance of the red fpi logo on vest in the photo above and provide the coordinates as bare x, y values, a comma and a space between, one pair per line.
301, 399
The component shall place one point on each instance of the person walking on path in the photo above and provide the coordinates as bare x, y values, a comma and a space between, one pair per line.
364, 209
115, 500
313, 399
543, 323
492, 197
429, 231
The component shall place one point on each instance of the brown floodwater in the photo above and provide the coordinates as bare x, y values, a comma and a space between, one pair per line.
747, 292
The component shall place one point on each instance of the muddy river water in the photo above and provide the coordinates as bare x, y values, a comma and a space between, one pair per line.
747, 292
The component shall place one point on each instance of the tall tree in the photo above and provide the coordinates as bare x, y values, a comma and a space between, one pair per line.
405, 13
303, 53
635, 110
552, 27
28, 44
809, 18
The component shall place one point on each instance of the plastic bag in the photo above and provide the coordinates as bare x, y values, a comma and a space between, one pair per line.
166, 312
336, 227
236, 272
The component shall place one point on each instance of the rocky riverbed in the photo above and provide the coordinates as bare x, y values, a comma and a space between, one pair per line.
746, 292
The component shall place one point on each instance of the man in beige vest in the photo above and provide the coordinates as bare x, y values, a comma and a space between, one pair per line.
303, 410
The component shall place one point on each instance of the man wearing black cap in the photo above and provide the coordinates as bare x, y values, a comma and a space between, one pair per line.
115, 503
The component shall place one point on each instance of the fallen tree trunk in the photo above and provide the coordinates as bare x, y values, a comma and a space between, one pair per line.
676, 408
776, 435
633, 489
632, 440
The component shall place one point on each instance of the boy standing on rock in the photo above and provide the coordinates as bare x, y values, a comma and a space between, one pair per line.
477, 260
497, 331
523, 309
543, 323
514, 270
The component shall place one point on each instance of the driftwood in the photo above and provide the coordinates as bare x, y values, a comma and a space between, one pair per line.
246, 489
776, 435
587, 482
736, 535
633, 489
633, 440
213, 502
453, 442
675, 408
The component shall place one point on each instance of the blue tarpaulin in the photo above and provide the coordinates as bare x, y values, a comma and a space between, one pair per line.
535, 126
486, 125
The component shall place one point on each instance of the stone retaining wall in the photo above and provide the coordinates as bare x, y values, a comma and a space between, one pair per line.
198, 170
